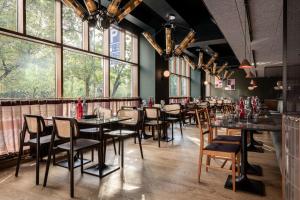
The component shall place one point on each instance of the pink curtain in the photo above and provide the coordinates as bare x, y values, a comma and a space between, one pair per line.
11, 116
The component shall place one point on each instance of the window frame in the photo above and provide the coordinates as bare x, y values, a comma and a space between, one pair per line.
20, 33
176, 65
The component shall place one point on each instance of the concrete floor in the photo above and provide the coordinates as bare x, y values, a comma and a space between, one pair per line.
166, 173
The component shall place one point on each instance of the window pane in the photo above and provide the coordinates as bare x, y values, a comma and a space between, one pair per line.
128, 47
82, 75
188, 70
183, 70
177, 65
72, 28
8, 14
115, 43
173, 85
183, 87
40, 18
34, 78
96, 40
120, 79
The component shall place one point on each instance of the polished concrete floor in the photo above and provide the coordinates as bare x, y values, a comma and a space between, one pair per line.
166, 173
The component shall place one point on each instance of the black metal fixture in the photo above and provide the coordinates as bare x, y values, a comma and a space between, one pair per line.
171, 49
99, 16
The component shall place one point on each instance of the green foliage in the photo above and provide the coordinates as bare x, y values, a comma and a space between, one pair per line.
40, 18
120, 79
8, 14
83, 75
27, 70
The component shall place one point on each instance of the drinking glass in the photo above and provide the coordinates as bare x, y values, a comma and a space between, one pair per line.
248, 113
73, 110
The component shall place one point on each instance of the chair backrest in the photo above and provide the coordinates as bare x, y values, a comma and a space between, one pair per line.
203, 119
173, 109
65, 127
107, 112
35, 124
152, 113
133, 114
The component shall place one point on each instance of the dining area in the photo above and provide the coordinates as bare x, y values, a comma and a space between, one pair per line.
149, 100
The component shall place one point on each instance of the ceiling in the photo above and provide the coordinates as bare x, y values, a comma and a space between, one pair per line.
220, 27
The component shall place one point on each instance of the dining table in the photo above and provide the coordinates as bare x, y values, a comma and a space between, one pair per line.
266, 122
105, 168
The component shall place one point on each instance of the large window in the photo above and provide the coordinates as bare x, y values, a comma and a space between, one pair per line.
8, 14
27, 69
179, 82
40, 18
84, 61
72, 28
83, 75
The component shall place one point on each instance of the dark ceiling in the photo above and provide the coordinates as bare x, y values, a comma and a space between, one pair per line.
189, 14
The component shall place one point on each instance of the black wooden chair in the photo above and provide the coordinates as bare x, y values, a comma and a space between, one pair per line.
40, 134
128, 128
173, 115
67, 129
152, 119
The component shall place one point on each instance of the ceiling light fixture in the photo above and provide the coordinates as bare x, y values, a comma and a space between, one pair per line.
169, 29
245, 64
98, 16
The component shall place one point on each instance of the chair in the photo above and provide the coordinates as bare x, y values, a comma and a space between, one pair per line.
93, 132
224, 139
190, 112
173, 114
35, 126
128, 128
152, 119
67, 129
216, 150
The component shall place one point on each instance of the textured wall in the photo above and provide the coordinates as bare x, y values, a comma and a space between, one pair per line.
265, 89
147, 69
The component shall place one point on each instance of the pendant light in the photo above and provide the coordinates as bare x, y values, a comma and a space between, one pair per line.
245, 64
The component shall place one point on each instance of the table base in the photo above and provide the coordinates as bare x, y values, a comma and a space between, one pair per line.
254, 170
106, 170
246, 185
77, 163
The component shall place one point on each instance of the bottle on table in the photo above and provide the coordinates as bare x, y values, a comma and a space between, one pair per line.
79, 109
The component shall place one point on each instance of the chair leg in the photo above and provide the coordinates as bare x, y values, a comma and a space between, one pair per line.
159, 135
20, 152
114, 143
233, 172
238, 160
140, 144
72, 174
99, 160
81, 161
49, 159
119, 147
37, 164
92, 154
180, 124
152, 132
207, 162
122, 153
200, 165
172, 125
69, 160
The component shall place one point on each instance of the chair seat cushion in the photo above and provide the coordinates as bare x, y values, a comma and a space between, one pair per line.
228, 148
153, 123
79, 144
227, 138
43, 140
92, 130
172, 119
120, 133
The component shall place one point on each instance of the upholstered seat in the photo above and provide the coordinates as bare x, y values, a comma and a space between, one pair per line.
227, 138
43, 140
79, 144
228, 148
122, 132
153, 122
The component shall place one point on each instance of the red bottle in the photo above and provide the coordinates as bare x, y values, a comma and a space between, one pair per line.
242, 108
150, 103
79, 109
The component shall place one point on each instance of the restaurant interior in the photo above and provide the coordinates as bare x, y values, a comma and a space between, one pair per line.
149, 99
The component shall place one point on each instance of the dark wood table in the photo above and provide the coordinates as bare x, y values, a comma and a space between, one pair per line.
264, 123
105, 168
